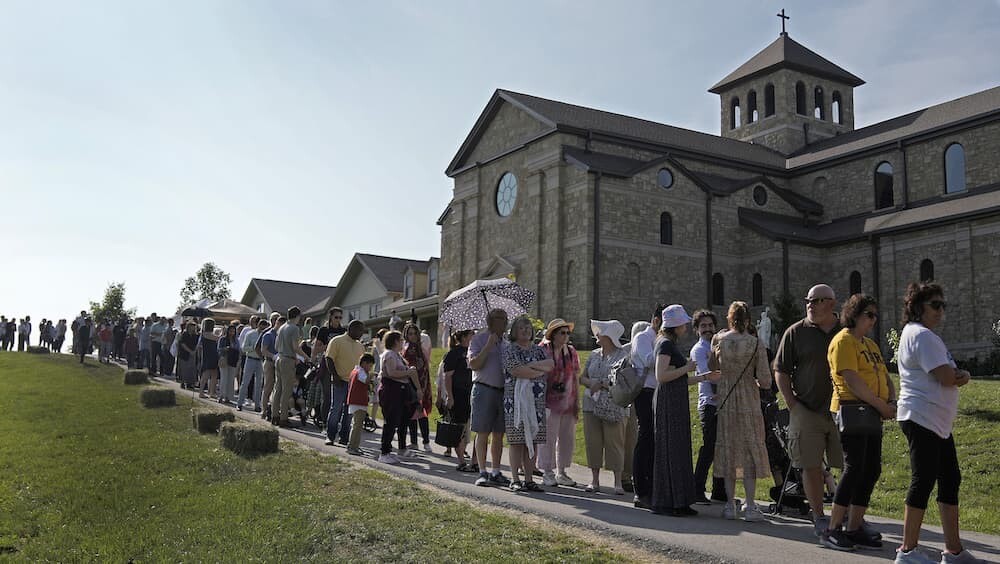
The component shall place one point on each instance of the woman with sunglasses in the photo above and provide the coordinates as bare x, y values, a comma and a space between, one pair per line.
928, 403
860, 378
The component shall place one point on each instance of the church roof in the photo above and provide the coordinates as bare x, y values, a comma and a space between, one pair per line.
581, 120
786, 53
954, 112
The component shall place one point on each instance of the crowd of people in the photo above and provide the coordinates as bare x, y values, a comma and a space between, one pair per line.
507, 382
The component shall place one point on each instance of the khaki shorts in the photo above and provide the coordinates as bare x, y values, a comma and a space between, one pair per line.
811, 435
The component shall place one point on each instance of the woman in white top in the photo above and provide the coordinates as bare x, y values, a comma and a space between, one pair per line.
926, 410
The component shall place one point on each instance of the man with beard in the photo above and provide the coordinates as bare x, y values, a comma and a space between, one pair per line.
705, 324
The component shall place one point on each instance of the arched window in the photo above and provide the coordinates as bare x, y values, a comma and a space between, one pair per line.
926, 270
718, 289
752, 115
954, 169
883, 186
819, 108
837, 116
634, 281
734, 113
666, 229
769, 100
855, 283
758, 289
800, 98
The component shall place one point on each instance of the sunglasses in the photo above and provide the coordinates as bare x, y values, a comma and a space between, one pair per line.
938, 304
338, 316
871, 314
562, 332
812, 301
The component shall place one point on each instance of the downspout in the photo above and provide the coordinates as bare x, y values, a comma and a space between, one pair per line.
596, 285
708, 249
906, 182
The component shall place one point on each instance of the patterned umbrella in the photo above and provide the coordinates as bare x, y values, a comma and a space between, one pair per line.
467, 307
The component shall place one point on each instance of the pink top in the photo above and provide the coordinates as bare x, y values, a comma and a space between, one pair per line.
566, 372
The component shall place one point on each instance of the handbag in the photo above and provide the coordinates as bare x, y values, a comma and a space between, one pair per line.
858, 418
448, 434
625, 383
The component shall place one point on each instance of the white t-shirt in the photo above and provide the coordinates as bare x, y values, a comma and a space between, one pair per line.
922, 399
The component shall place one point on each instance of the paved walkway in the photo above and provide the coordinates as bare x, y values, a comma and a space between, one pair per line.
706, 538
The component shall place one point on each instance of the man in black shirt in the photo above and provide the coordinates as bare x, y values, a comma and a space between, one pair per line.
333, 328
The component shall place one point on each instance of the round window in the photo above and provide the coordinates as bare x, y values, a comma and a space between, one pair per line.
506, 194
760, 195
665, 178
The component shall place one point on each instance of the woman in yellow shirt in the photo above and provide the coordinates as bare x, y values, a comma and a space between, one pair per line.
859, 378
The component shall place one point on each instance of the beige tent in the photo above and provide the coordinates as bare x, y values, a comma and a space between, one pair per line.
226, 310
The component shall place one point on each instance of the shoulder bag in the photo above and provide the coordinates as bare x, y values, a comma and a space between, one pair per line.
856, 417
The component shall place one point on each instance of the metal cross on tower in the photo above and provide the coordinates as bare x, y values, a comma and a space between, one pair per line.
783, 18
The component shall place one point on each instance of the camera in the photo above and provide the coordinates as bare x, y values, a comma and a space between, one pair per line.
559, 387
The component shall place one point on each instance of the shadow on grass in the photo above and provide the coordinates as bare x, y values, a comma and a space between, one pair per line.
982, 414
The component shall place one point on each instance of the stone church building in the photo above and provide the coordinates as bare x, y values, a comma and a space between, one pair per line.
603, 215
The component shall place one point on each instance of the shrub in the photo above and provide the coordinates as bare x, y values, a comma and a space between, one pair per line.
208, 420
892, 339
136, 377
249, 439
157, 397
786, 313
38, 350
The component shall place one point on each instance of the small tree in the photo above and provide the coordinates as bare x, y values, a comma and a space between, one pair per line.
113, 305
892, 339
786, 312
210, 282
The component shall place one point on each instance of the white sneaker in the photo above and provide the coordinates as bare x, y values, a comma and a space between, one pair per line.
564, 480
964, 557
427, 447
549, 479
753, 514
914, 557
729, 511
388, 459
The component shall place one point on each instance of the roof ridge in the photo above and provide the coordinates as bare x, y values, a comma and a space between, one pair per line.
290, 282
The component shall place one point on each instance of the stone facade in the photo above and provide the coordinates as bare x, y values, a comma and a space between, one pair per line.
587, 237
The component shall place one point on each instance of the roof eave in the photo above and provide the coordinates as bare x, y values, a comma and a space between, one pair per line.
727, 83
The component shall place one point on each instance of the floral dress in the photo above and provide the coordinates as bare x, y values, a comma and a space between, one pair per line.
514, 356
413, 354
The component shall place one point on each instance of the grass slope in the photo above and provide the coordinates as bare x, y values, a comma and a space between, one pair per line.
87, 474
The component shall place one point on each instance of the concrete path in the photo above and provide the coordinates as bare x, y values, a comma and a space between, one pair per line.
705, 538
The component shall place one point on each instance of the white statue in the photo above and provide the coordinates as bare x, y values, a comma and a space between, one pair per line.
764, 328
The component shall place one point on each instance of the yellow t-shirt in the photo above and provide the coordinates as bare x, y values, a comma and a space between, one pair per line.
846, 352
345, 353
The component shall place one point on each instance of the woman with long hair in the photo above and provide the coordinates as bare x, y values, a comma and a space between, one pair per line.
413, 354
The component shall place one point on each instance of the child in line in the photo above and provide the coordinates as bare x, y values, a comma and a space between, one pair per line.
357, 400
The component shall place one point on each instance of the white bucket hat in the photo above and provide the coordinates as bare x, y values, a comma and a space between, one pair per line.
612, 329
675, 316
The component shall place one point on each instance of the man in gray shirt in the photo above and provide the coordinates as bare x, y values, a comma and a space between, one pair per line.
287, 345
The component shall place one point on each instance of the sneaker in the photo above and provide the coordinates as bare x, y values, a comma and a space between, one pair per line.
427, 447
405, 453
498, 479
837, 540
753, 514
549, 479
964, 557
820, 526
729, 511
564, 480
388, 459
703, 500
863, 541
866, 528
914, 557
355, 451
483, 479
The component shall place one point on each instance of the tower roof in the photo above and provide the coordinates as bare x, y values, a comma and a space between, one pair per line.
787, 53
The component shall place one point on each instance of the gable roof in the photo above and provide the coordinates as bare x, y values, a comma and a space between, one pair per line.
389, 270
581, 120
786, 53
281, 295
979, 105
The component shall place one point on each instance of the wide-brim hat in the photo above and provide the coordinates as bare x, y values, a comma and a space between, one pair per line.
675, 316
612, 329
557, 323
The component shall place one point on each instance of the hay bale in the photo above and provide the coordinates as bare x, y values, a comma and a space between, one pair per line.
208, 419
38, 350
135, 377
157, 397
249, 439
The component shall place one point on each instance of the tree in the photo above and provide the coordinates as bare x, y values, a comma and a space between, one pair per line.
209, 282
112, 307
786, 312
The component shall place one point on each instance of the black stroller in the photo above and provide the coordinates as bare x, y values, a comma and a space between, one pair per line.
789, 494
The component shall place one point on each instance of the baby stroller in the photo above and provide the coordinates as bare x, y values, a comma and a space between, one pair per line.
312, 394
789, 494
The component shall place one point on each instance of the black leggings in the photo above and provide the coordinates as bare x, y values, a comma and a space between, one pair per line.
932, 459
392, 415
862, 468
425, 430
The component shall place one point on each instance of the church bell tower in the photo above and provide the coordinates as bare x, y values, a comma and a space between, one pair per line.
786, 97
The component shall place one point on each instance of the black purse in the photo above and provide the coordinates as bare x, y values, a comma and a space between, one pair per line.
858, 418
448, 434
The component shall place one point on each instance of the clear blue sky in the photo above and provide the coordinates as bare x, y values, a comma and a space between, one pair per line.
139, 140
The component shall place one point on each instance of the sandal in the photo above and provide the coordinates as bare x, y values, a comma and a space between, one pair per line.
517, 486
591, 488
464, 467
533, 487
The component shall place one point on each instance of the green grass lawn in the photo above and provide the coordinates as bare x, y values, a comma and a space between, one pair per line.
977, 436
86, 474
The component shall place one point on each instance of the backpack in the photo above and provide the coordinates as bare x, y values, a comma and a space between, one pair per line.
625, 383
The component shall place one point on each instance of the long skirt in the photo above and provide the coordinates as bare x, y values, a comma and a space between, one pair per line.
673, 471
187, 371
